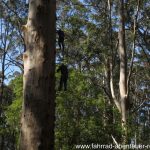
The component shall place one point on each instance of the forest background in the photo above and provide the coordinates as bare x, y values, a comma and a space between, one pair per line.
88, 112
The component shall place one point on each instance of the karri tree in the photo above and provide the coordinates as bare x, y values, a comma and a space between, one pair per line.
37, 121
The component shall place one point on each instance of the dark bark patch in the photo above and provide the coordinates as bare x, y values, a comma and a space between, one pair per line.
40, 10
25, 56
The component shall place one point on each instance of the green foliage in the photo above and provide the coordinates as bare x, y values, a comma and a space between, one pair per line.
13, 111
80, 116
13, 114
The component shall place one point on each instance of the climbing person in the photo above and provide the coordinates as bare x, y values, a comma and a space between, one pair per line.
61, 36
64, 77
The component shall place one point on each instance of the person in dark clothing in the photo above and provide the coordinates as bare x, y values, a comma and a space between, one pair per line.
64, 77
61, 39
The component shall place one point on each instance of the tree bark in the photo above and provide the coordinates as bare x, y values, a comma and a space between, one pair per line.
123, 64
37, 121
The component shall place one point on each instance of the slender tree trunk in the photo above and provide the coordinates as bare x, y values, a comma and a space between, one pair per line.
1, 96
123, 65
2, 78
37, 122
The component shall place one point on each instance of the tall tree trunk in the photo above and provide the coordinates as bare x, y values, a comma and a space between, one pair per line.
2, 93
37, 122
123, 65
2, 78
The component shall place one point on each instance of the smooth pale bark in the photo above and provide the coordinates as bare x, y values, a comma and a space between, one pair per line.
111, 60
123, 64
37, 122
